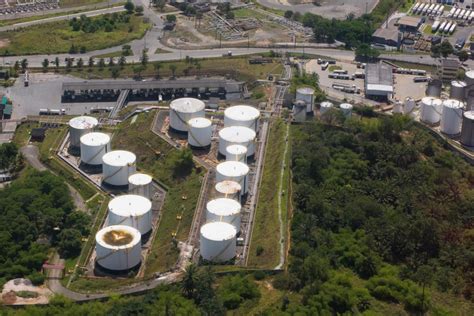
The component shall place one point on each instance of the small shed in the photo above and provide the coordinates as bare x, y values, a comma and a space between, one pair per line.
38, 134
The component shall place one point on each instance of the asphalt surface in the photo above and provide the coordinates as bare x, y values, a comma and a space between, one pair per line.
31, 154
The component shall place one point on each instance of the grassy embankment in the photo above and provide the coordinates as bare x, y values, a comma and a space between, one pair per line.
57, 37
264, 249
155, 157
77, 3
237, 67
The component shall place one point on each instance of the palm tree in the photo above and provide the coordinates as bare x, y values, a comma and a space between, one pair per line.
190, 280
173, 68
157, 69
198, 68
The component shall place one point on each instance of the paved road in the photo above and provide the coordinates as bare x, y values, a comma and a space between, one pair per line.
62, 17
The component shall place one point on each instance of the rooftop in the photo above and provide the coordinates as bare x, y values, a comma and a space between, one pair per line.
450, 63
378, 74
388, 34
410, 21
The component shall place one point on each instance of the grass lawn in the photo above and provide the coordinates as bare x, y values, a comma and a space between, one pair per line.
22, 133
108, 55
248, 13
77, 3
154, 157
266, 227
236, 67
57, 37
97, 285
406, 6
334, 67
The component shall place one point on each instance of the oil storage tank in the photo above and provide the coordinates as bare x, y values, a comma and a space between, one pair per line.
237, 135
93, 147
131, 210
306, 95
117, 166
224, 210
397, 107
325, 106
233, 170
433, 89
118, 248
140, 184
200, 132
236, 153
431, 109
79, 126
451, 117
346, 109
409, 106
242, 115
228, 189
458, 90
299, 111
218, 241
467, 130
184, 109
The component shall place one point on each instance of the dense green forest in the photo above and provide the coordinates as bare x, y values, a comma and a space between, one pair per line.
383, 213
37, 212
8, 156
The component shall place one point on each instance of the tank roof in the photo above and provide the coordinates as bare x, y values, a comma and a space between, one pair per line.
118, 237
469, 115
140, 179
95, 139
228, 187
129, 205
242, 112
83, 122
451, 103
346, 106
233, 168
199, 122
119, 158
237, 134
223, 206
187, 105
326, 104
305, 90
470, 74
236, 149
458, 83
218, 231
431, 101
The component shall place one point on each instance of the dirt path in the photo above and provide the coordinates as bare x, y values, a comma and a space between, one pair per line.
280, 188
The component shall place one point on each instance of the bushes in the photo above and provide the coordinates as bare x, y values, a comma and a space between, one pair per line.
235, 289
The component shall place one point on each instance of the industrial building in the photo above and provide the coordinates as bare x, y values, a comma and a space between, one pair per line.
378, 81
449, 69
409, 24
385, 36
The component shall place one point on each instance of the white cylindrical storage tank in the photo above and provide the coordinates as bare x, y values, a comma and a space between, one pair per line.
228, 189
431, 109
184, 109
346, 109
233, 170
131, 210
325, 106
434, 88
458, 90
117, 166
469, 79
140, 184
451, 117
118, 248
306, 95
299, 111
218, 241
79, 126
237, 135
467, 130
93, 147
224, 210
236, 153
398, 107
200, 132
242, 115
409, 106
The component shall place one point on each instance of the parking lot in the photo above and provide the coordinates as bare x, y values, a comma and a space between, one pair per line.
404, 86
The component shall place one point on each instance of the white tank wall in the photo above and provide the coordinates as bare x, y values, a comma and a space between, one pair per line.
224, 210
299, 112
118, 258
458, 90
93, 147
409, 106
398, 107
431, 109
467, 130
79, 126
306, 95
184, 109
236, 153
451, 118
218, 242
200, 132
141, 184
235, 171
237, 135
242, 115
325, 106
228, 189
117, 166
131, 210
